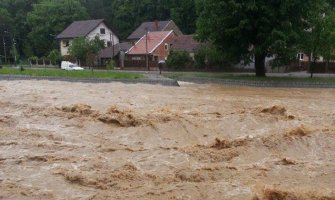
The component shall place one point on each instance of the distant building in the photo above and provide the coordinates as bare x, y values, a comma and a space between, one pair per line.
116, 52
185, 43
153, 27
88, 29
155, 45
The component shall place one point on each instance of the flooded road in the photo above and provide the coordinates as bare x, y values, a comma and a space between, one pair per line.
61, 140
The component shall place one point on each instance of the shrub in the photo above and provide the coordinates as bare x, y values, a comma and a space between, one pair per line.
110, 65
54, 57
178, 60
33, 59
208, 57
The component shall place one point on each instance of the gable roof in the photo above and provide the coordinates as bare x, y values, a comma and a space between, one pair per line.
154, 40
185, 43
150, 27
79, 28
108, 52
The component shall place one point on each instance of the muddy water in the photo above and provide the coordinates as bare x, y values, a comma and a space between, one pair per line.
62, 140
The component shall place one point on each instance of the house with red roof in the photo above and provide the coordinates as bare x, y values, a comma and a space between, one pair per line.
152, 48
154, 26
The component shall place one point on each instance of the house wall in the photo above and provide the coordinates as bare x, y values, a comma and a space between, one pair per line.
64, 50
306, 58
105, 37
160, 51
96, 32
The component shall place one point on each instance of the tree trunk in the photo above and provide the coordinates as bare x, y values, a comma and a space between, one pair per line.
313, 66
260, 65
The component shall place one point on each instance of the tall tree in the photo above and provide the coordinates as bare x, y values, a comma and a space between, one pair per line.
319, 33
6, 26
49, 18
251, 29
184, 15
18, 10
86, 50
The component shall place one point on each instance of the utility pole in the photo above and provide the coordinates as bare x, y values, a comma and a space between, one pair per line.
4, 47
113, 44
146, 50
14, 50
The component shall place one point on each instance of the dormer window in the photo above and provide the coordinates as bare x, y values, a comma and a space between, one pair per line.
102, 31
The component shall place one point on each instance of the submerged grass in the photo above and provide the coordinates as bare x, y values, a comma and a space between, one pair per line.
73, 74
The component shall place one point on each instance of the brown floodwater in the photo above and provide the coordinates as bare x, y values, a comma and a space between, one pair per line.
61, 140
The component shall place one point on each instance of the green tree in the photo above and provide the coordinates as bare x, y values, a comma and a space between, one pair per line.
79, 48
49, 18
86, 50
6, 27
178, 60
18, 11
319, 33
55, 56
184, 15
209, 56
253, 29
328, 39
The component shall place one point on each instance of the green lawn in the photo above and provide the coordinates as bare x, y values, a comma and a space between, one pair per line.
229, 76
74, 74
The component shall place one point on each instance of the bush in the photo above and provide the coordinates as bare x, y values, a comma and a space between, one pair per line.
209, 57
33, 60
110, 65
178, 60
54, 57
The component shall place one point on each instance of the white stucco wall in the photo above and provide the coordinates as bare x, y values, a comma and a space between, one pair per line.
96, 32
105, 37
63, 49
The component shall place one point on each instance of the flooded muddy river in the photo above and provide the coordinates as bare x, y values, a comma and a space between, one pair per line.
61, 140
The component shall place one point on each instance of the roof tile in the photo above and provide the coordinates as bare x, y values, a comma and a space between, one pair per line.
79, 29
154, 38
148, 26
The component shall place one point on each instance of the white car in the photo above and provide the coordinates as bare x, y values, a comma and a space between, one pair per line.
74, 67
66, 65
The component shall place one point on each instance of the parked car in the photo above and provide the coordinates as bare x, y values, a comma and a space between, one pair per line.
66, 65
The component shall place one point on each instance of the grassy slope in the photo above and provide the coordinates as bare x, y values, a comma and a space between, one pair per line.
227, 76
76, 74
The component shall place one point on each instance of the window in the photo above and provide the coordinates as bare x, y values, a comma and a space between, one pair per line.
166, 46
300, 56
136, 58
109, 44
102, 31
66, 43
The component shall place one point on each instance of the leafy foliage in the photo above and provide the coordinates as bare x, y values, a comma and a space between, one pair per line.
86, 50
35, 23
208, 57
178, 60
47, 19
247, 30
55, 56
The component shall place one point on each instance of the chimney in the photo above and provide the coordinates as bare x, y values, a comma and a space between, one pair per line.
156, 25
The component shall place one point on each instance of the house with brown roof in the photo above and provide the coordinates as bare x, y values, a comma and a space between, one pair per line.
185, 43
154, 45
88, 29
115, 52
153, 27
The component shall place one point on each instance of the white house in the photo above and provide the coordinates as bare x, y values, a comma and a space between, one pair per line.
88, 29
